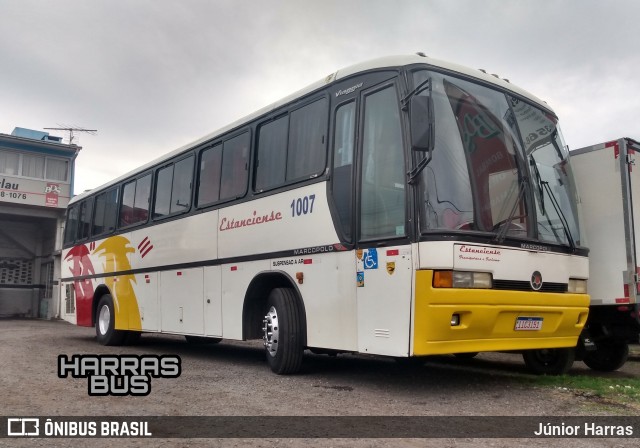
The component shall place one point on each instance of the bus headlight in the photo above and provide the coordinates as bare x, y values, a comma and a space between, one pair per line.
461, 279
577, 286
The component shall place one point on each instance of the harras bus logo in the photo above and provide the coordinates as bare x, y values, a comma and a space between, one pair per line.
536, 281
119, 375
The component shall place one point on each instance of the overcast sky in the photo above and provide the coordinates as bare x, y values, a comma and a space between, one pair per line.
153, 75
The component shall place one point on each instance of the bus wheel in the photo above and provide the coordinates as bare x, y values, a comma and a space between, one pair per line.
549, 361
201, 340
283, 332
105, 321
607, 357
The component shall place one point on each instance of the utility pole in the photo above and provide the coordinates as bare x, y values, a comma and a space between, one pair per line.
72, 129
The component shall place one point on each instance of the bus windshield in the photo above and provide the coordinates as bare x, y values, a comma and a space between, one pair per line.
552, 179
484, 178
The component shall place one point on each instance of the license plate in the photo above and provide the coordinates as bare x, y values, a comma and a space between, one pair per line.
528, 323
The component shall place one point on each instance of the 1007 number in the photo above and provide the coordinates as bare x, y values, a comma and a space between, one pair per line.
302, 206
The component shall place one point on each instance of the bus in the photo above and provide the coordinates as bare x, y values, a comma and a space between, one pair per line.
401, 207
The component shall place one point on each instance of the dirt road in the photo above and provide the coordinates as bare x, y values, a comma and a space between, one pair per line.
232, 379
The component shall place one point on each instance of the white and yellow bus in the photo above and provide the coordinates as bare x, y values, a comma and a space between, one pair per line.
401, 207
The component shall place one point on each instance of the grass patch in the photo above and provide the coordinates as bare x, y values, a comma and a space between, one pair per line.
623, 389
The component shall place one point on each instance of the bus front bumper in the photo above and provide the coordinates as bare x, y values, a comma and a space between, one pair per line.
487, 319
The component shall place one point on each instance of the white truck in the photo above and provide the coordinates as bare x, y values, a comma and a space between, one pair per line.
608, 182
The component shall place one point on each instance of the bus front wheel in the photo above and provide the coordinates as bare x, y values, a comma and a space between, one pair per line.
283, 332
549, 361
105, 323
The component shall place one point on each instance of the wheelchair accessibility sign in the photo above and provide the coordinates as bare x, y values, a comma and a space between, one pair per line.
370, 259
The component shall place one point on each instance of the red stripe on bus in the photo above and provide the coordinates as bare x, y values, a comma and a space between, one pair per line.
146, 239
147, 250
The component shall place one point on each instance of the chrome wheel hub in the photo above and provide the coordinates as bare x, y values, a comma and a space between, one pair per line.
271, 331
103, 319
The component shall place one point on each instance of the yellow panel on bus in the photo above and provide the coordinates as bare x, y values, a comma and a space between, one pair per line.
487, 319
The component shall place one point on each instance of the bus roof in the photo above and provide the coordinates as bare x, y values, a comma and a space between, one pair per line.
379, 63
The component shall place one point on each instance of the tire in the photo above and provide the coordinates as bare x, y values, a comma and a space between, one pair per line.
201, 340
283, 332
549, 361
607, 357
105, 323
467, 355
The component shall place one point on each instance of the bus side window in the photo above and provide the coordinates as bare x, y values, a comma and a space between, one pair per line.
141, 200
306, 155
181, 186
135, 201
71, 225
173, 188
104, 217
126, 208
209, 180
342, 189
162, 204
84, 220
235, 161
272, 154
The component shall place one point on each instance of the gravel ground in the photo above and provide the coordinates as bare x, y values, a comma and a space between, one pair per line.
232, 379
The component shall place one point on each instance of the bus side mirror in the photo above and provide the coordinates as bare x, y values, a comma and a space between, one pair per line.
422, 123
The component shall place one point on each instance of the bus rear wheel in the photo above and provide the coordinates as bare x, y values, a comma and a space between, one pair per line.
607, 357
105, 323
549, 361
283, 328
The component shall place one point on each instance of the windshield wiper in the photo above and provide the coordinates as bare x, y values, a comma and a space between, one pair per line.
502, 234
536, 171
542, 187
563, 219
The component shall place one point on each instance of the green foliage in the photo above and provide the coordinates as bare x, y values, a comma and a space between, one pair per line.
624, 389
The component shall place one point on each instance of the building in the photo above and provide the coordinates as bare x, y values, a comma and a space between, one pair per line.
36, 183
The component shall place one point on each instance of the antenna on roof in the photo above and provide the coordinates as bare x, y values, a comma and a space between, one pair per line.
72, 129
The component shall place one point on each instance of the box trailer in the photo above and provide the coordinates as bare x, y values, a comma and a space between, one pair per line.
608, 182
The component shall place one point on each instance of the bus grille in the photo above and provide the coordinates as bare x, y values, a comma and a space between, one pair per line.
515, 285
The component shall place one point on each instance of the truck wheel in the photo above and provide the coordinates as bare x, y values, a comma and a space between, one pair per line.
283, 332
549, 361
105, 323
607, 357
